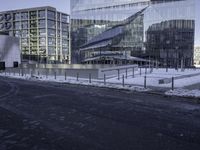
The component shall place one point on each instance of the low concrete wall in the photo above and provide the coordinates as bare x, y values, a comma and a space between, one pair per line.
96, 71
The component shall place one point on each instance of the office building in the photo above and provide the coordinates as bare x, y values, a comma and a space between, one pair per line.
43, 32
120, 31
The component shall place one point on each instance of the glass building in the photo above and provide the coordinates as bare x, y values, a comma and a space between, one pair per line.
130, 31
43, 32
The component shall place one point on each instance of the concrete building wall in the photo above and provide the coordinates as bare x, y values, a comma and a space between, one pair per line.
9, 50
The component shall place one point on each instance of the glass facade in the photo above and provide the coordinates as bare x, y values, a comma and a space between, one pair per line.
41, 31
119, 31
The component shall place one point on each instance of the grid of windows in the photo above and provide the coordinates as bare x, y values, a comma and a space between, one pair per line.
41, 31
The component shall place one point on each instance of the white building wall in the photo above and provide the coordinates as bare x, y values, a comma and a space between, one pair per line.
9, 50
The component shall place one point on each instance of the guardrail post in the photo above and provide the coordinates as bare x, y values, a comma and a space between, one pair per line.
104, 79
172, 83
126, 73
55, 75
90, 78
123, 80
118, 71
145, 82
133, 72
65, 75
77, 77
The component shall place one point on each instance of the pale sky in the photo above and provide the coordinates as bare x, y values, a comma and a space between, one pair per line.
60, 5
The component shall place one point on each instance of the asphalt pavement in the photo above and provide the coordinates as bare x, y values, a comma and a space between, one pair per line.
51, 116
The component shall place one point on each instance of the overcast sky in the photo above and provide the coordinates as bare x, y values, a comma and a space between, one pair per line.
61, 5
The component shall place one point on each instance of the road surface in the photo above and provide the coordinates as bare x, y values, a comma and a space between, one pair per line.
50, 116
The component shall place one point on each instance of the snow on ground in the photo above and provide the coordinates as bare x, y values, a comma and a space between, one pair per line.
153, 78
133, 84
184, 93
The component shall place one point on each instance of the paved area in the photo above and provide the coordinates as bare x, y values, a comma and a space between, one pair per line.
50, 116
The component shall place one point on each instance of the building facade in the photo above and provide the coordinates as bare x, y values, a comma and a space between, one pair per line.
43, 32
124, 31
171, 42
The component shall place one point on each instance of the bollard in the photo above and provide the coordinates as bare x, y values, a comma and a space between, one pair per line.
172, 83
90, 78
140, 71
118, 74
145, 82
133, 72
77, 77
22, 73
5, 72
9, 72
126, 73
38, 73
19, 72
55, 75
123, 81
14, 72
104, 79
65, 75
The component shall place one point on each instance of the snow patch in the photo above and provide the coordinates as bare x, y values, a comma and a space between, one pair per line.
184, 93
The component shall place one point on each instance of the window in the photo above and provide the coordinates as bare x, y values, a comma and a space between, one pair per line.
51, 24
42, 41
51, 15
17, 16
24, 16
65, 27
51, 32
42, 32
51, 41
16, 25
42, 14
42, 23
65, 18
24, 25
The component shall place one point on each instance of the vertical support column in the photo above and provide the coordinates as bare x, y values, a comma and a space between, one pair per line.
145, 82
104, 79
118, 71
77, 77
90, 78
123, 84
126, 73
172, 83
133, 72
